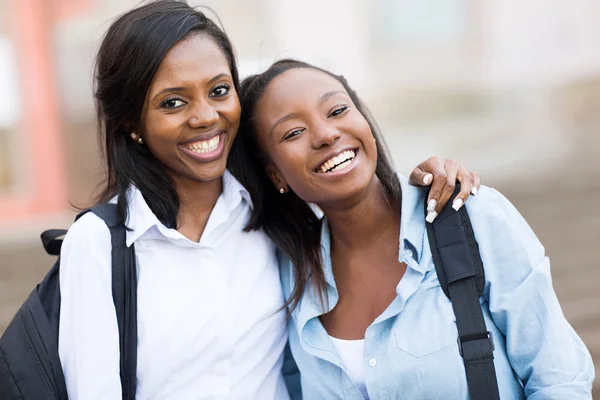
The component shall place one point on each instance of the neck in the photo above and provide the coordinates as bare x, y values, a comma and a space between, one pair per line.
361, 222
196, 201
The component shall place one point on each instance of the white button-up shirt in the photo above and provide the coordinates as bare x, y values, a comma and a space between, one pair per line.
208, 319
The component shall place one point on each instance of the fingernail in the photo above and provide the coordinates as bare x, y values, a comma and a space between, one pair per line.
457, 204
427, 179
431, 216
431, 205
474, 191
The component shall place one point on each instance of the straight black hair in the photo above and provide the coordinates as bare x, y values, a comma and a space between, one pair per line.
288, 220
129, 56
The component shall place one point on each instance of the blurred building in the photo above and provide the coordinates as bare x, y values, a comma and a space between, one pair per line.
511, 88
449, 77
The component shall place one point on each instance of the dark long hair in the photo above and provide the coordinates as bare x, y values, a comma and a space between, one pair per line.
129, 56
288, 220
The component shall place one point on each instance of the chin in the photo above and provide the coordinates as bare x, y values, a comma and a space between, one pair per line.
207, 172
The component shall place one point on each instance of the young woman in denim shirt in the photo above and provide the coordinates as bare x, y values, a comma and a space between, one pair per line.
368, 316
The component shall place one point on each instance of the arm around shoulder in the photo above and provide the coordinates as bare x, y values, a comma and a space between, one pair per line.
544, 350
88, 331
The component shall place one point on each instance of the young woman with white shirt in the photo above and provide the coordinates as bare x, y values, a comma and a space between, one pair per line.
368, 317
210, 318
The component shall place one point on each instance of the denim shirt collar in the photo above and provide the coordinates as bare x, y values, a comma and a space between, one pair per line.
412, 230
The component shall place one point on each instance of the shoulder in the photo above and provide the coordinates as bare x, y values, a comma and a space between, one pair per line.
491, 212
87, 233
505, 239
489, 202
88, 225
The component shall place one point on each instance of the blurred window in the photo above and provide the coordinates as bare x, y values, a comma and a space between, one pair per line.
10, 109
420, 22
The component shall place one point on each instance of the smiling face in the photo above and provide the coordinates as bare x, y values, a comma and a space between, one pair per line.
191, 113
317, 141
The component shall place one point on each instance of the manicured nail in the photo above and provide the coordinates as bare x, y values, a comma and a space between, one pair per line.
474, 191
431, 205
431, 216
427, 179
457, 204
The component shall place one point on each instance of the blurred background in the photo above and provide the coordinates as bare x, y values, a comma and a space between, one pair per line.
509, 88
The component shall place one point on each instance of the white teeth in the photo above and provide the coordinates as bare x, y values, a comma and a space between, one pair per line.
338, 162
205, 146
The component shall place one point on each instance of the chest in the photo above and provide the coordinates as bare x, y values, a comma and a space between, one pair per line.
200, 307
366, 286
413, 354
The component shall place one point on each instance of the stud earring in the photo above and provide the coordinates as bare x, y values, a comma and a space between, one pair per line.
282, 190
136, 138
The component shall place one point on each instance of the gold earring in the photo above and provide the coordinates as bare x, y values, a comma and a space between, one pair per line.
136, 138
282, 190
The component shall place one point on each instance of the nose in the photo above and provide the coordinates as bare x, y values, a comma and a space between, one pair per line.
204, 115
325, 135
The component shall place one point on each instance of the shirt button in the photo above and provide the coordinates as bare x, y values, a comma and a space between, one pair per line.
372, 362
408, 253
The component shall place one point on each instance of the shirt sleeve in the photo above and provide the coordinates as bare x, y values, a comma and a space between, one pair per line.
543, 349
88, 340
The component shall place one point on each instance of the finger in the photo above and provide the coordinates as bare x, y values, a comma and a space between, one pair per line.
476, 183
449, 186
437, 186
420, 177
466, 185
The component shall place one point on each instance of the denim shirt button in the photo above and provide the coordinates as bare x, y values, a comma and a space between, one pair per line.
408, 254
372, 362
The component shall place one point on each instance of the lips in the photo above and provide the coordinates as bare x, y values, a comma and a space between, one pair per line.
337, 162
205, 147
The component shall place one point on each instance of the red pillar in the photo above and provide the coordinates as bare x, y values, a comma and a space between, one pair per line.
40, 137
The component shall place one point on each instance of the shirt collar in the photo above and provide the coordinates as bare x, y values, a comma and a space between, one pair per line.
141, 218
412, 222
234, 192
412, 230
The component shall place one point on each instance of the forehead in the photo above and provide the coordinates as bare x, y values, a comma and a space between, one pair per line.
194, 57
298, 87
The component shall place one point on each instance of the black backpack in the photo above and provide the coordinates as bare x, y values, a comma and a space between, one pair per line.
30, 367
460, 271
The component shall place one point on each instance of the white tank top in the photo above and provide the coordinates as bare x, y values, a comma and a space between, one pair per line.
351, 353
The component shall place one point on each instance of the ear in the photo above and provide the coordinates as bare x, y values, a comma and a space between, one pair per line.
133, 128
276, 177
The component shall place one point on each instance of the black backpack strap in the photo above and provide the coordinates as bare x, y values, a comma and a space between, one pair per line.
460, 272
51, 241
124, 290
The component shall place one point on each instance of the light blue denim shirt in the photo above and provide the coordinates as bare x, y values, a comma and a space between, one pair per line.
411, 350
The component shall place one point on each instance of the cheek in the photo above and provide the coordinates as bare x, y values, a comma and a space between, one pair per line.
160, 128
161, 133
293, 165
231, 110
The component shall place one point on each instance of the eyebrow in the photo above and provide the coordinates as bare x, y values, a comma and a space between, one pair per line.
283, 119
328, 95
322, 100
181, 88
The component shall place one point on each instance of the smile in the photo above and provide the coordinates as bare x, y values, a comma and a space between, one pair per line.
204, 146
338, 162
206, 149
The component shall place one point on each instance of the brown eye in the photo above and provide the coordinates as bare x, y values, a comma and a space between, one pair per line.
172, 103
220, 90
338, 110
292, 134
